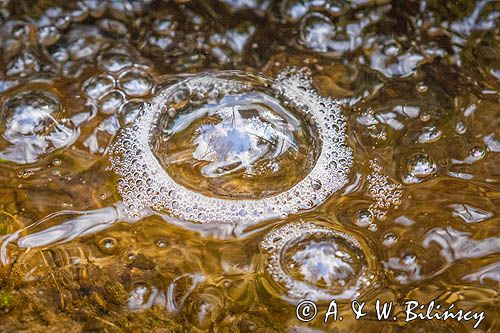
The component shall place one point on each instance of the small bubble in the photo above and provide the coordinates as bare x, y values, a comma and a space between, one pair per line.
421, 165
425, 117
460, 128
130, 111
409, 259
97, 86
477, 153
316, 32
316, 184
364, 218
111, 102
389, 239
161, 243
135, 83
115, 62
429, 134
107, 245
25, 173
48, 35
421, 87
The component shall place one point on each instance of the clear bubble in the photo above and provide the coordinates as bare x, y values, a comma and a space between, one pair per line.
112, 26
315, 262
364, 218
161, 243
475, 154
135, 83
48, 35
111, 102
460, 128
245, 145
97, 86
421, 165
316, 32
115, 62
108, 245
130, 111
429, 134
390, 239
25, 64
32, 125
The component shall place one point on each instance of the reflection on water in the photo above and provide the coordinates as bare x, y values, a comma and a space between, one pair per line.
249, 135
373, 174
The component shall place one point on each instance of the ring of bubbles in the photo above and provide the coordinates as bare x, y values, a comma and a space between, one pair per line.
143, 183
315, 262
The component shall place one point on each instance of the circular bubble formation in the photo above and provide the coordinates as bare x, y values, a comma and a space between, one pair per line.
316, 262
145, 184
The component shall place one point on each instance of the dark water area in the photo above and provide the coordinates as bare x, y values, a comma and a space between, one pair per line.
205, 166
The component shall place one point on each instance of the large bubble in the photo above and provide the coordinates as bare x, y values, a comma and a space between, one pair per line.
239, 125
245, 145
312, 261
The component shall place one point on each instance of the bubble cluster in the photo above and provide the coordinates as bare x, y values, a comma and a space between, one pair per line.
144, 183
117, 92
32, 126
123, 78
386, 193
316, 262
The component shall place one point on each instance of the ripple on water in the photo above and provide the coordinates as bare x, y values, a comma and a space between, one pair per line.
312, 261
235, 121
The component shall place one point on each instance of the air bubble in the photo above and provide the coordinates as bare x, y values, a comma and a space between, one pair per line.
115, 62
111, 102
316, 32
475, 154
135, 83
108, 245
421, 165
161, 243
460, 128
138, 143
48, 35
130, 111
390, 239
429, 134
315, 262
32, 126
96, 87
364, 218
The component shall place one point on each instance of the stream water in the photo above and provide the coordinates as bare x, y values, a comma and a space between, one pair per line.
204, 166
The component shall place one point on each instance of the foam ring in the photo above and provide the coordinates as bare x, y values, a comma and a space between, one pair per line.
278, 241
145, 184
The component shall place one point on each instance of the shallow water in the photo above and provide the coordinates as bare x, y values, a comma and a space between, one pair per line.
371, 174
